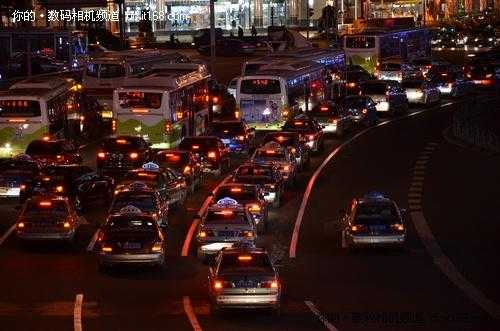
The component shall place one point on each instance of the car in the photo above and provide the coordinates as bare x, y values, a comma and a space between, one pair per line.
282, 157
184, 163
353, 78
484, 75
388, 95
373, 220
265, 174
139, 195
332, 118
389, 71
422, 64
248, 195
244, 277
169, 184
452, 83
235, 135
362, 109
79, 183
209, 151
47, 218
296, 146
15, 173
421, 92
222, 225
131, 237
310, 131
119, 154
48, 151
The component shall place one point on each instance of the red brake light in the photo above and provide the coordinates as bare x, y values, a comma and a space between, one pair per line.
134, 155
45, 204
101, 155
212, 155
187, 170
364, 111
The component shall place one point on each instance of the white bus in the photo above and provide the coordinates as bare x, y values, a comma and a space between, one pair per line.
36, 107
103, 74
371, 48
276, 92
331, 58
165, 106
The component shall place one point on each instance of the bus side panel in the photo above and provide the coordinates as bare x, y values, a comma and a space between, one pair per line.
15, 138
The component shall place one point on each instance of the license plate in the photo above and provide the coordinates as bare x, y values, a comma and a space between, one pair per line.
225, 233
132, 246
226, 141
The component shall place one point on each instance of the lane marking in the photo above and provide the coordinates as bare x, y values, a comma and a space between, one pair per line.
8, 233
77, 313
92, 242
447, 267
329, 326
414, 195
419, 172
418, 184
194, 224
419, 167
188, 309
298, 221
418, 179
416, 189
421, 162
414, 201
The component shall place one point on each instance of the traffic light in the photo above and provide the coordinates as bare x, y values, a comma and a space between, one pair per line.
311, 11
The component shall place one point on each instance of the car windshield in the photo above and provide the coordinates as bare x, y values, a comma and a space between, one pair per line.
195, 144
145, 202
19, 108
390, 66
129, 224
236, 193
354, 103
226, 128
41, 208
226, 217
174, 160
375, 88
38, 147
411, 84
376, 210
245, 263
122, 144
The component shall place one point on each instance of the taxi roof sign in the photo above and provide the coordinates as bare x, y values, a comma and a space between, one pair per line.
130, 209
151, 166
227, 202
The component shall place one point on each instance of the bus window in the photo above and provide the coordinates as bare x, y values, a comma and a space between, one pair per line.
140, 99
111, 70
360, 42
260, 86
19, 108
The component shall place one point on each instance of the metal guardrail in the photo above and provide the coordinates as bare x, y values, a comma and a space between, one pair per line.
471, 123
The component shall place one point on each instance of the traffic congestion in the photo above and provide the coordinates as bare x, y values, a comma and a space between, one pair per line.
148, 159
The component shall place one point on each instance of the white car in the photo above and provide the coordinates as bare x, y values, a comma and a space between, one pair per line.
421, 92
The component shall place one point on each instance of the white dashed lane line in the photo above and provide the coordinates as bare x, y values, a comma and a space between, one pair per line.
77, 313
329, 326
432, 246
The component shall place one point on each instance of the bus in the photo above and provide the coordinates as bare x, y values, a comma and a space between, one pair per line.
278, 91
372, 47
165, 106
38, 107
103, 74
330, 58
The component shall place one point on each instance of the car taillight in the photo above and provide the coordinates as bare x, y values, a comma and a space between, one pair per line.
215, 99
212, 155
270, 284
133, 155
220, 284
247, 234
358, 228
286, 168
241, 138
106, 249
254, 208
398, 227
187, 170
157, 247
101, 155
334, 121
22, 187
236, 114
66, 225
205, 233
311, 137
20, 225
59, 189
364, 111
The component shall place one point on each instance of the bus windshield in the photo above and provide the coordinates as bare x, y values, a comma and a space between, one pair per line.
140, 99
360, 42
19, 108
260, 86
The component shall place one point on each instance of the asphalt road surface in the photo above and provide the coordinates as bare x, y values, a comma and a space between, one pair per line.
326, 286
